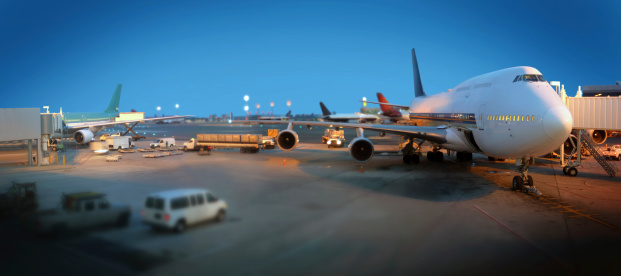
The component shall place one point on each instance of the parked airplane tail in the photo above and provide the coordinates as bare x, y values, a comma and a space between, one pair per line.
288, 114
324, 109
387, 110
116, 99
418, 85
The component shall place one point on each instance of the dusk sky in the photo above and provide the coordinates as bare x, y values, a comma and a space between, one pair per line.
206, 55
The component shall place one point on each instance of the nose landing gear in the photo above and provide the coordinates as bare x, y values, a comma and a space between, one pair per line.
524, 182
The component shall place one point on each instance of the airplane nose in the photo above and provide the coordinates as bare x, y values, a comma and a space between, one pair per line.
558, 122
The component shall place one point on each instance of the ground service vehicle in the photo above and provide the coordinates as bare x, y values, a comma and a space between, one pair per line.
78, 211
613, 153
250, 143
333, 137
120, 142
19, 197
163, 143
177, 209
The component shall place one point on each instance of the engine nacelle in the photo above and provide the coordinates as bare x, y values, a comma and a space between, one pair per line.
598, 136
361, 149
83, 136
287, 139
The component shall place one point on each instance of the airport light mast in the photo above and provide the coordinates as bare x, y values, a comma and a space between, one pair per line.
158, 111
176, 109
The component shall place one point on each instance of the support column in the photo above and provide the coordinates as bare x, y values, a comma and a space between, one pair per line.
29, 152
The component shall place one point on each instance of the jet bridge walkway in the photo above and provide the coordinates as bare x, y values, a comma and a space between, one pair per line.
601, 113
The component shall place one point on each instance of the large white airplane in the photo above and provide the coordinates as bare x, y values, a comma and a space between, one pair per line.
511, 113
82, 126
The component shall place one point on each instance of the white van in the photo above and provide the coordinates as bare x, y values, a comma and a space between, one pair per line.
177, 209
163, 143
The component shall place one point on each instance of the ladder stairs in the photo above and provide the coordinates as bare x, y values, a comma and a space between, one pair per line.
608, 167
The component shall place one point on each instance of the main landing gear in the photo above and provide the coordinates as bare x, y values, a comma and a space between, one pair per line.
524, 182
409, 152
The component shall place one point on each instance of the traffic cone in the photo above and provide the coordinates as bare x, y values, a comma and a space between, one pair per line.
284, 162
361, 170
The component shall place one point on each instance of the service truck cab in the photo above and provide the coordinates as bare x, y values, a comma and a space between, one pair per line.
163, 143
613, 153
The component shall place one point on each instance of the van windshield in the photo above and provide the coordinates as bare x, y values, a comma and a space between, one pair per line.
156, 141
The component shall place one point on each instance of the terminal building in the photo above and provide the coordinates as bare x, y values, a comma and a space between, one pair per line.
602, 90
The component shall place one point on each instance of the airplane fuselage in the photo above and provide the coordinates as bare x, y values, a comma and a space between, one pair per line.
500, 115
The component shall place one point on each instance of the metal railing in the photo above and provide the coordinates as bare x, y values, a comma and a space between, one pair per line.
610, 168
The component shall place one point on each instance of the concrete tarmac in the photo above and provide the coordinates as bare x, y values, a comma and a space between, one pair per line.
314, 211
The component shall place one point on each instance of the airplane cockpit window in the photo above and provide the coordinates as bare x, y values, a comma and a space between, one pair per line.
529, 78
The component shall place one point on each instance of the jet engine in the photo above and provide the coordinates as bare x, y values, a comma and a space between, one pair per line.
361, 149
83, 136
598, 136
287, 139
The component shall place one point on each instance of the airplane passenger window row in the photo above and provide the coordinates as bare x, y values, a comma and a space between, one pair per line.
515, 118
531, 77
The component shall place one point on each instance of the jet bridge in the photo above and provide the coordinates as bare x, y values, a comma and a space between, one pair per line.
603, 113
591, 113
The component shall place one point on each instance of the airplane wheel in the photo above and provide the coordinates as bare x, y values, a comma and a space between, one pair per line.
468, 156
430, 156
530, 181
406, 159
415, 158
518, 183
491, 159
439, 156
572, 172
565, 170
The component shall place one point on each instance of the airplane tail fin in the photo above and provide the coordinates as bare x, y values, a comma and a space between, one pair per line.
386, 109
288, 114
116, 99
418, 85
324, 109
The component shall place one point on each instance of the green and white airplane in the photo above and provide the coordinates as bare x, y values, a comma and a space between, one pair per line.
82, 126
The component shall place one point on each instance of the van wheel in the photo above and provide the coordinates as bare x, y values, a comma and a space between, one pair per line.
220, 216
185, 148
119, 148
180, 226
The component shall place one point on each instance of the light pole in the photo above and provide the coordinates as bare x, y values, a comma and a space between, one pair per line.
176, 109
272, 105
158, 110
258, 108
246, 109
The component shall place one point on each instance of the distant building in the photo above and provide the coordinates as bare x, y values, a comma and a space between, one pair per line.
602, 90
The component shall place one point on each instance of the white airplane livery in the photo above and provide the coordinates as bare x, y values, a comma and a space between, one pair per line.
510, 113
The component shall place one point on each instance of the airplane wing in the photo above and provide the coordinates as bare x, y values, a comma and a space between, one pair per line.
110, 123
395, 105
431, 134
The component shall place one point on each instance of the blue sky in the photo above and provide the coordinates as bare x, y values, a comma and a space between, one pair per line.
206, 55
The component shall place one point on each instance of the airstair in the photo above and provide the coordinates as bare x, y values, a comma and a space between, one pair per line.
610, 168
